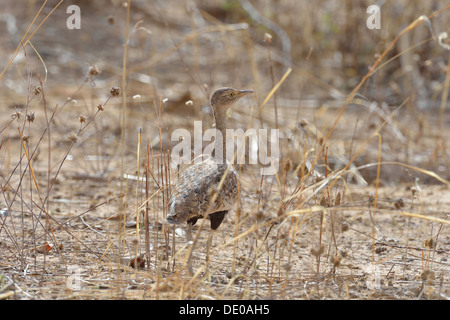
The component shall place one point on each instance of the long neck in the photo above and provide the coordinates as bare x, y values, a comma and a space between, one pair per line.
220, 144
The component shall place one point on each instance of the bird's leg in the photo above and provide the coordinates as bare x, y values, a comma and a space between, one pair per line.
189, 233
216, 219
208, 248
191, 248
208, 244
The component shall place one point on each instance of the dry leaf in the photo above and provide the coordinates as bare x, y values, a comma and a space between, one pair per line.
137, 262
45, 248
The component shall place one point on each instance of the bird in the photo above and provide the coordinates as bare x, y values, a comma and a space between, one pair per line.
200, 192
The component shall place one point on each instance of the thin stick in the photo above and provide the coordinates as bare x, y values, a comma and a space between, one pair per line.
147, 226
137, 193
273, 79
444, 101
124, 111
18, 49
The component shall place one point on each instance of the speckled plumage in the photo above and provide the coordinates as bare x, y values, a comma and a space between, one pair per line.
192, 193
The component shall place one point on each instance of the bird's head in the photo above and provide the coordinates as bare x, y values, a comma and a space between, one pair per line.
226, 97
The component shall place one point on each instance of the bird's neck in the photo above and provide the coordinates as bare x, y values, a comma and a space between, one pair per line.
221, 139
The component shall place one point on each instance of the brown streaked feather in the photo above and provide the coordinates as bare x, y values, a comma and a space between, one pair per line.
192, 194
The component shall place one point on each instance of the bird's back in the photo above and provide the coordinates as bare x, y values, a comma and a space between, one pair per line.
192, 193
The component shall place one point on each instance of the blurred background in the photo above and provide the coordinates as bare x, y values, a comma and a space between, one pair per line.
181, 51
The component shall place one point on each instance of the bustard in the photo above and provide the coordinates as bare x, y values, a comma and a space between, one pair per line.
193, 193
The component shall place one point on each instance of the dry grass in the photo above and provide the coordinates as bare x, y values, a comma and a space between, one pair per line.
86, 179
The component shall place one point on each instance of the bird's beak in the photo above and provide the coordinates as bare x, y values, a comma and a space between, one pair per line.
244, 92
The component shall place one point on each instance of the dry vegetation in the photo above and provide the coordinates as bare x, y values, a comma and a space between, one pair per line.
358, 210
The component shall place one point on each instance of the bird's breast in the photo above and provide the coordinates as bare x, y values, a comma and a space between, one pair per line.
199, 190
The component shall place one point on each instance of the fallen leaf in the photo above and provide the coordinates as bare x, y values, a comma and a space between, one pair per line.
137, 262
45, 248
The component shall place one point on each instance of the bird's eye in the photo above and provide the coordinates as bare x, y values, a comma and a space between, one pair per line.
231, 94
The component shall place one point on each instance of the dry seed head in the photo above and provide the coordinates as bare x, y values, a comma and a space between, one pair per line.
317, 252
345, 226
337, 201
31, 116
82, 119
93, 71
115, 91
280, 212
302, 171
259, 215
267, 37
37, 90
25, 138
287, 267
302, 123
399, 203
430, 243
336, 261
17, 114
73, 137
444, 44
100, 107
320, 141
287, 165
